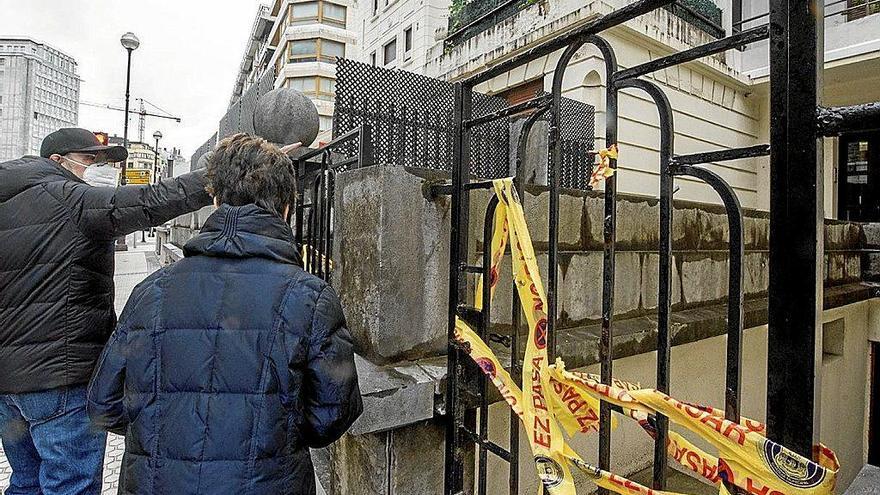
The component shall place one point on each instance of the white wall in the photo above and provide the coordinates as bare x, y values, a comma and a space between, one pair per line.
711, 111
842, 39
374, 31
697, 375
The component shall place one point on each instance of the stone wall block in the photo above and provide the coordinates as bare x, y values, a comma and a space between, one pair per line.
842, 236
638, 224
594, 222
627, 282
704, 277
583, 284
650, 282
756, 272
756, 232
537, 212
357, 224
201, 216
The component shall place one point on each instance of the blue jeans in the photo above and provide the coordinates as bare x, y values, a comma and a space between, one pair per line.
51, 445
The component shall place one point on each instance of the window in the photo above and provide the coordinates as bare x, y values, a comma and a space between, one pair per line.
390, 51
304, 13
2, 61
375, 6
321, 88
407, 43
304, 84
303, 50
313, 50
332, 49
316, 12
856, 9
334, 14
373, 59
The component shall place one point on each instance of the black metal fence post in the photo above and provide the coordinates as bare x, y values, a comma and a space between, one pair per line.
454, 482
609, 240
796, 224
664, 303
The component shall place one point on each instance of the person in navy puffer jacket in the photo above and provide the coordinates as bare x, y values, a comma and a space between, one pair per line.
227, 366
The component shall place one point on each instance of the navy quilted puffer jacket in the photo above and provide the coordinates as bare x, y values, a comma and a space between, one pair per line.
227, 366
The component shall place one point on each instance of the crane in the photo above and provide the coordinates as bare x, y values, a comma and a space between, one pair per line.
142, 112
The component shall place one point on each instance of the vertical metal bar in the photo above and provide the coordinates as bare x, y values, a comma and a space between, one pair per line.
314, 221
796, 222
454, 467
298, 208
516, 316
732, 395
365, 147
664, 309
609, 239
554, 169
485, 326
328, 226
325, 216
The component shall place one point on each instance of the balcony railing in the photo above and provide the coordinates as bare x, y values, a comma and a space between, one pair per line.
703, 14
850, 10
469, 17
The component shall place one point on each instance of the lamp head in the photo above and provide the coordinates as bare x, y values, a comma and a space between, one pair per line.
130, 41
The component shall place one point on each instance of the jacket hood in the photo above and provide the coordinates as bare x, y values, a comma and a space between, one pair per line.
24, 173
245, 232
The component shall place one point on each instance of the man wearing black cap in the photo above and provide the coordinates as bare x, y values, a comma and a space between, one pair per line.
57, 226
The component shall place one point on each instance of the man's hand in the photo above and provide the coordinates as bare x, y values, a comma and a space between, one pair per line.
290, 147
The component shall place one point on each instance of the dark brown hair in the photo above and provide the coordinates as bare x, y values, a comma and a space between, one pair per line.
246, 169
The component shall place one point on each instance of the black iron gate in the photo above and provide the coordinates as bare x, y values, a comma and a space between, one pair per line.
796, 252
315, 183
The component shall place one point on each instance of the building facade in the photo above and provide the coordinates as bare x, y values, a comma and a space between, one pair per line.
142, 156
308, 36
398, 33
39, 94
719, 102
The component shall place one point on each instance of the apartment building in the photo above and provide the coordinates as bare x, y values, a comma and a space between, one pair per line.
39, 94
398, 33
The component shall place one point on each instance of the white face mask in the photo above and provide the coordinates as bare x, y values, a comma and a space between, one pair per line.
101, 175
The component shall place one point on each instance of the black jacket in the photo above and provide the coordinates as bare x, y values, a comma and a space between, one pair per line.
226, 366
56, 265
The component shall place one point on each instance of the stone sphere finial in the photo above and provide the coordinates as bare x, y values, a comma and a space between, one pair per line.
286, 116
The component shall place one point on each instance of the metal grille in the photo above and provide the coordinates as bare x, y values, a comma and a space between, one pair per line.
577, 131
206, 147
412, 120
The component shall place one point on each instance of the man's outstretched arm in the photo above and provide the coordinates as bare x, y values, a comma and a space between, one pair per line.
107, 213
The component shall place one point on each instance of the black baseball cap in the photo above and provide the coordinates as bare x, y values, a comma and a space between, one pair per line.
76, 140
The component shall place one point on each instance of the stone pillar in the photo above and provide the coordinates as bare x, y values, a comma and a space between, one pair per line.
391, 247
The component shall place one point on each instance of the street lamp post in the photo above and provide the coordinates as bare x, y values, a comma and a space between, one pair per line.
154, 176
130, 42
157, 136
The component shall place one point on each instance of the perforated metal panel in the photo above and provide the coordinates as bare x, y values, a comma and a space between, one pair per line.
412, 120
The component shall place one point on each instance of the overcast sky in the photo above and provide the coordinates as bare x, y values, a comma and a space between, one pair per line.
190, 52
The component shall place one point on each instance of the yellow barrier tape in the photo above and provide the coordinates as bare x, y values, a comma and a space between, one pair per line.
604, 169
559, 400
306, 259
